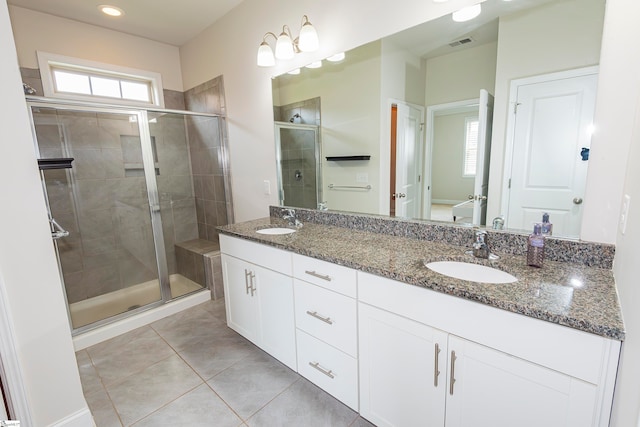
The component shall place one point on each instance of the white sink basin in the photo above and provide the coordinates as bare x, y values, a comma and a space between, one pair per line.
471, 272
276, 231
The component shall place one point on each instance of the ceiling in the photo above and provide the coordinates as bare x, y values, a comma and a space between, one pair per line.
167, 21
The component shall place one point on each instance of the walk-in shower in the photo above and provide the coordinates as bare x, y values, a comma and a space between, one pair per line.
299, 164
133, 204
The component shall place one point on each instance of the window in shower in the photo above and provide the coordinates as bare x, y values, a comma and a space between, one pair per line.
74, 78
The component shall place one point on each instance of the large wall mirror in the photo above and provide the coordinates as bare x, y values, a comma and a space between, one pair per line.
450, 121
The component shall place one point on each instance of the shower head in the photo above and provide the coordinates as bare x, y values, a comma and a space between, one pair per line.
295, 116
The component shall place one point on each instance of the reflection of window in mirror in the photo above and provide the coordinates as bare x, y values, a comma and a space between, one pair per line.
470, 146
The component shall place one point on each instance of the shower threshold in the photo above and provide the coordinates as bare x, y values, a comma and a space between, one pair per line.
117, 302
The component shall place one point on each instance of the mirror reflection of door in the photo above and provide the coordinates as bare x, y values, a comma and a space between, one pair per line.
298, 156
551, 126
459, 137
406, 164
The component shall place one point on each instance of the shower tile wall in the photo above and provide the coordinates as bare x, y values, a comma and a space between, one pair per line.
209, 163
308, 110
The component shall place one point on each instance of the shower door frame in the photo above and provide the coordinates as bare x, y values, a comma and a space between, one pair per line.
153, 195
318, 157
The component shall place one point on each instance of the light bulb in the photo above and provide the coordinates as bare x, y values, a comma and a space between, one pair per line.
308, 38
265, 55
337, 57
314, 64
284, 46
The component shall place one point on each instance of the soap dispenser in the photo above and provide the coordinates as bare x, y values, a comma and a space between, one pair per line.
547, 227
535, 247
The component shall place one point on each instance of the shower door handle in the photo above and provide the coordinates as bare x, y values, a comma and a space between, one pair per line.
58, 232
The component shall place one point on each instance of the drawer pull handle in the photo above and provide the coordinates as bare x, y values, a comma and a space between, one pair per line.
317, 366
317, 316
318, 275
436, 371
452, 378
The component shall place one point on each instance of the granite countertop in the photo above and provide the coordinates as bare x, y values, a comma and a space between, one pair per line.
569, 294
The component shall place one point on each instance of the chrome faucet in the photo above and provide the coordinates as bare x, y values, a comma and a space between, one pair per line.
290, 215
481, 245
498, 223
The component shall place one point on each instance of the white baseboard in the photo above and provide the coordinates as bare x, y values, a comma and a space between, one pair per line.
114, 329
81, 418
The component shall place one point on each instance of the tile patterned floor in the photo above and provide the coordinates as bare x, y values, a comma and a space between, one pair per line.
191, 370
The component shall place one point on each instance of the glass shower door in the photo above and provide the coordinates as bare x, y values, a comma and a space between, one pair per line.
298, 157
108, 261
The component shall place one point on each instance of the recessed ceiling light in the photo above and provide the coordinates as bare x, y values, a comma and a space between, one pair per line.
111, 10
467, 13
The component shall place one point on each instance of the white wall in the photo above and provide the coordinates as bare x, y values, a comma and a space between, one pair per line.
618, 126
39, 31
229, 48
349, 94
553, 37
28, 266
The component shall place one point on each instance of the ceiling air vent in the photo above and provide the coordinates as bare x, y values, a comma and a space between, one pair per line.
460, 42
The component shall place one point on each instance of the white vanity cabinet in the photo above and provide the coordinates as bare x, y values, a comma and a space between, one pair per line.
326, 326
258, 291
431, 359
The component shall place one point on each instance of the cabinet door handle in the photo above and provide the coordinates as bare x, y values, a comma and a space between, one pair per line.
436, 370
318, 275
317, 366
317, 316
247, 277
452, 378
252, 276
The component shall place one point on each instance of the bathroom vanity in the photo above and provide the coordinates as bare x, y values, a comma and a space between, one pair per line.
359, 315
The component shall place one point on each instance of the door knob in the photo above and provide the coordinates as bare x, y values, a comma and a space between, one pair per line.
401, 195
577, 200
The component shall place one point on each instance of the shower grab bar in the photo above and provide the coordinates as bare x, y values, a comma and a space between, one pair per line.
58, 232
359, 187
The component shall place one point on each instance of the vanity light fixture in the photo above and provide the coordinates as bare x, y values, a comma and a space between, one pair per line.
294, 72
286, 45
467, 13
111, 10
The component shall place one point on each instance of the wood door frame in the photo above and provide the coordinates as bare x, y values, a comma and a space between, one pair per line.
511, 120
392, 161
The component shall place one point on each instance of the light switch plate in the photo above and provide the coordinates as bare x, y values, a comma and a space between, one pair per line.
266, 185
362, 177
624, 213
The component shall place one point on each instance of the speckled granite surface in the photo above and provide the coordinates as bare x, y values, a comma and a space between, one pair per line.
569, 294
598, 255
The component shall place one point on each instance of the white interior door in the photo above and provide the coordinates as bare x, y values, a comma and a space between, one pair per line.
481, 184
552, 126
408, 161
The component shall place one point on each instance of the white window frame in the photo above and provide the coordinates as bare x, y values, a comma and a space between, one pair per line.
467, 121
48, 62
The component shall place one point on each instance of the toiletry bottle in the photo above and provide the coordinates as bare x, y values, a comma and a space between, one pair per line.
547, 227
535, 247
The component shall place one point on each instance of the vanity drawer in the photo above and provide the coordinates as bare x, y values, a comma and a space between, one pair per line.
326, 315
330, 369
330, 276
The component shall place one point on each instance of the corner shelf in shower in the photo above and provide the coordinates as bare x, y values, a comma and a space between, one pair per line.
339, 158
55, 163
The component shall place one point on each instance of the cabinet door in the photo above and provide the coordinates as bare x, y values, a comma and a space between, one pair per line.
274, 292
494, 389
402, 375
241, 306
